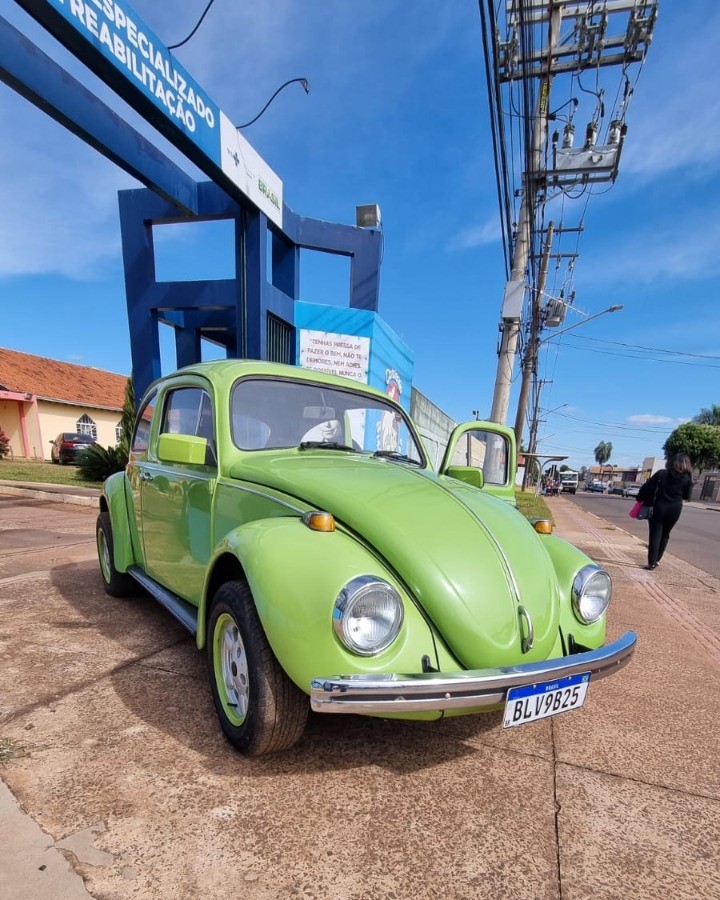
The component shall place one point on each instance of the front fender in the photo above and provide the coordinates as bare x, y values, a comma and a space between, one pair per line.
295, 575
116, 500
568, 561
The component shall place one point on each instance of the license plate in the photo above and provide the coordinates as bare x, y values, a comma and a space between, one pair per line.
550, 698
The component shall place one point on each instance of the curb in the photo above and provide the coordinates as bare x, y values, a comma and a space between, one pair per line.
52, 496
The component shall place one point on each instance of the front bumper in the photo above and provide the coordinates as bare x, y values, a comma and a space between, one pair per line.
393, 693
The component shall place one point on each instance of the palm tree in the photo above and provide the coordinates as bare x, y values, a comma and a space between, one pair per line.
603, 452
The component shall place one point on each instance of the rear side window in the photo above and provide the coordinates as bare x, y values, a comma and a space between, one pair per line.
141, 435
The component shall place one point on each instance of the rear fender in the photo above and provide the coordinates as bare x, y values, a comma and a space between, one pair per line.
114, 499
295, 574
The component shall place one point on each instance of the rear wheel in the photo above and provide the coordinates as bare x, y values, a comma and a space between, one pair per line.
117, 584
260, 709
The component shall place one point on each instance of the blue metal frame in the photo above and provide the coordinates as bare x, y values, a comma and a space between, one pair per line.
231, 312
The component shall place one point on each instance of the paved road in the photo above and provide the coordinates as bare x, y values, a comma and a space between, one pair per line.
695, 538
115, 754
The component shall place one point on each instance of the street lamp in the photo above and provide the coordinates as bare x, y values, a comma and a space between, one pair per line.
610, 309
530, 366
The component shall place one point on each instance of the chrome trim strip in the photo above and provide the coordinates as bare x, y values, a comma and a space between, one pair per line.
469, 690
507, 568
162, 468
184, 612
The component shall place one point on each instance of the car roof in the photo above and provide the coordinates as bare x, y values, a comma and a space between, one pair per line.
224, 372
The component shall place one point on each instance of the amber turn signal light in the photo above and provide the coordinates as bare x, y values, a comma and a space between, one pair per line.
319, 521
543, 526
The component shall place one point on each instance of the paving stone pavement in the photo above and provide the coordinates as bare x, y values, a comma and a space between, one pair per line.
118, 782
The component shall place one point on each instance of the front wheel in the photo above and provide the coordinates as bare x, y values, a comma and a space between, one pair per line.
117, 584
260, 709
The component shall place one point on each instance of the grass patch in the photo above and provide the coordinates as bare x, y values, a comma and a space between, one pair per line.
44, 472
10, 750
531, 507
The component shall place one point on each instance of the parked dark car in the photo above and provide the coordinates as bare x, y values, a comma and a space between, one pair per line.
616, 488
67, 446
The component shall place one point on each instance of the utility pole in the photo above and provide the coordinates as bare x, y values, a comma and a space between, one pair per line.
510, 325
589, 44
531, 351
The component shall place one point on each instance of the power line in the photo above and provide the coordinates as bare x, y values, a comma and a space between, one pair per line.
192, 33
585, 337
630, 355
652, 429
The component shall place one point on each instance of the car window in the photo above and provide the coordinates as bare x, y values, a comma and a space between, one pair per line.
188, 410
141, 436
484, 450
270, 413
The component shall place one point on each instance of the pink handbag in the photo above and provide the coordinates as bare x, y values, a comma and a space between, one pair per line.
635, 510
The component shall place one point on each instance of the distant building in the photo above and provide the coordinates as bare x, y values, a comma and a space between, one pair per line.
651, 465
610, 474
40, 398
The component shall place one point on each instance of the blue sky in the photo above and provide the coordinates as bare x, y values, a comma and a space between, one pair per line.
398, 115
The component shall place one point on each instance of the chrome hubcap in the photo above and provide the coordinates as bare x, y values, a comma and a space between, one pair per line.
104, 552
234, 666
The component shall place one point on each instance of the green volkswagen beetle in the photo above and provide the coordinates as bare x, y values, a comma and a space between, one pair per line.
292, 522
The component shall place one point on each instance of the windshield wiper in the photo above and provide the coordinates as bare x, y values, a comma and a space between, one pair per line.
393, 454
325, 445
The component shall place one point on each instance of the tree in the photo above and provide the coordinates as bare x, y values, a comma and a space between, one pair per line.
708, 416
603, 452
700, 442
127, 418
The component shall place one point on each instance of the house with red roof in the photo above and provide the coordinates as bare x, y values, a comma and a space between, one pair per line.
40, 398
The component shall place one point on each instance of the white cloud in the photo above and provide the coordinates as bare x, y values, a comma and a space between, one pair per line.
476, 235
652, 419
686, 251
674, 121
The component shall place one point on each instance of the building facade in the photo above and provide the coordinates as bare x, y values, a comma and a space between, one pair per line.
40, 398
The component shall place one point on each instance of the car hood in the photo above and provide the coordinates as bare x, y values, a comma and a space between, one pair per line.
469, 559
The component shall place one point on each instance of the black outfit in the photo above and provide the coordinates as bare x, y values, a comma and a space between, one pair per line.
665, 492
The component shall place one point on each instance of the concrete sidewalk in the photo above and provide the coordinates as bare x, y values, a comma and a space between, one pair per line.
124, 782
55, 493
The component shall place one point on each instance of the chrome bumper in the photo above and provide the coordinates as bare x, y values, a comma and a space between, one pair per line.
394, 693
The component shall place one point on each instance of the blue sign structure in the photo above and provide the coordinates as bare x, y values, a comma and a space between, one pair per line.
109, 37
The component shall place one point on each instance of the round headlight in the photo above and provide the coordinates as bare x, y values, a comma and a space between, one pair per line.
591, 593
367, 615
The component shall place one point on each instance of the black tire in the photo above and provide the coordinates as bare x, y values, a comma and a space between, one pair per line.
117, 584
53, 460
260, 709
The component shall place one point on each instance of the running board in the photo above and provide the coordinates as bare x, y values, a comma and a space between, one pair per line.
183, 611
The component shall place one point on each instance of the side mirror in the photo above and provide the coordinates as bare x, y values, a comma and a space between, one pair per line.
182, 448
468, 474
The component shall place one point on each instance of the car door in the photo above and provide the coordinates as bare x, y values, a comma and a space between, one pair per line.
176, 497
135, 472
487, 448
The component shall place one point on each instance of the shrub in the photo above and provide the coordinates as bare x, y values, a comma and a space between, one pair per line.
4, 444
98, 463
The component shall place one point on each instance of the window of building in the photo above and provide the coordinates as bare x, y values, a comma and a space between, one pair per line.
118, 432
85, 425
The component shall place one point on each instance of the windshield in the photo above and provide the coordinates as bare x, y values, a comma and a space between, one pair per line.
270, 414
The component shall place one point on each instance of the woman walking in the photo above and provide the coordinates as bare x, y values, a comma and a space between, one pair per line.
665, 492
